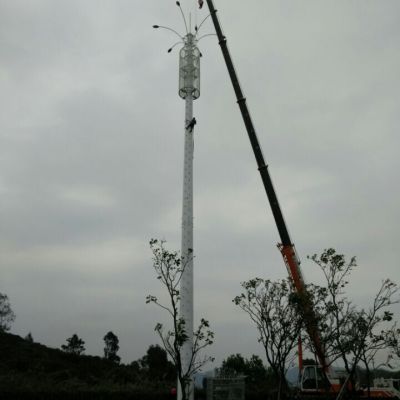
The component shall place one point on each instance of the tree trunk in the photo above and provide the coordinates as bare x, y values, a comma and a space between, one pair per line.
282, 388
278, 396
368, 380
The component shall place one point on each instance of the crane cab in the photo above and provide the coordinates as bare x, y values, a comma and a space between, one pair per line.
313, 379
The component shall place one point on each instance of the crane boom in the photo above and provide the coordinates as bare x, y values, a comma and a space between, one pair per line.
286, 246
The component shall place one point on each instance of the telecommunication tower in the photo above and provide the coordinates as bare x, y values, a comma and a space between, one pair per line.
189, 90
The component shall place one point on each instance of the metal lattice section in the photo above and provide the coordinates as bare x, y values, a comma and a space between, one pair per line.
189, 69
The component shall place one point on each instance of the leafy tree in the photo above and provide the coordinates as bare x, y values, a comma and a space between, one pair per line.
350, 333
7, 315
156, 364
111, 347
260, 383
393, 342
369, 339
135, 366
332, 304
75, 345
273, 309
169, 267
253, 368
235, 364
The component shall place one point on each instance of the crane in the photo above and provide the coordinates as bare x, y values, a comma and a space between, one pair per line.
325, 374
286, 246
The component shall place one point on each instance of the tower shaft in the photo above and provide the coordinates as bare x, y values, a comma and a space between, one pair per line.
189, 90
186, 292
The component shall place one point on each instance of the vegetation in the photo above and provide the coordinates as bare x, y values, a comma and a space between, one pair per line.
75, 345
272, 308
169, 267
111, 347
29, 337
260, 381
7, 315
348, 333
156, 364
27, 368
355, 336
351, 334
393, 339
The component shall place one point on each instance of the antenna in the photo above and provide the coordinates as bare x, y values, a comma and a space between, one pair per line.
183, 16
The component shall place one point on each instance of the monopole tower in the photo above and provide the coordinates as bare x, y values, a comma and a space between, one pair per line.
189, 90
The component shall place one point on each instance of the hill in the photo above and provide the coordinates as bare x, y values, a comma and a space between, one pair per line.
27, 368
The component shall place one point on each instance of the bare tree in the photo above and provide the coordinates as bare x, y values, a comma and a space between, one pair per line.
272, 306
169, 267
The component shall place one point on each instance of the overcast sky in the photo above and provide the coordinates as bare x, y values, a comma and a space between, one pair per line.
91, 153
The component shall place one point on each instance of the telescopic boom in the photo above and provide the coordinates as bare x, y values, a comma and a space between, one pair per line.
286, 246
